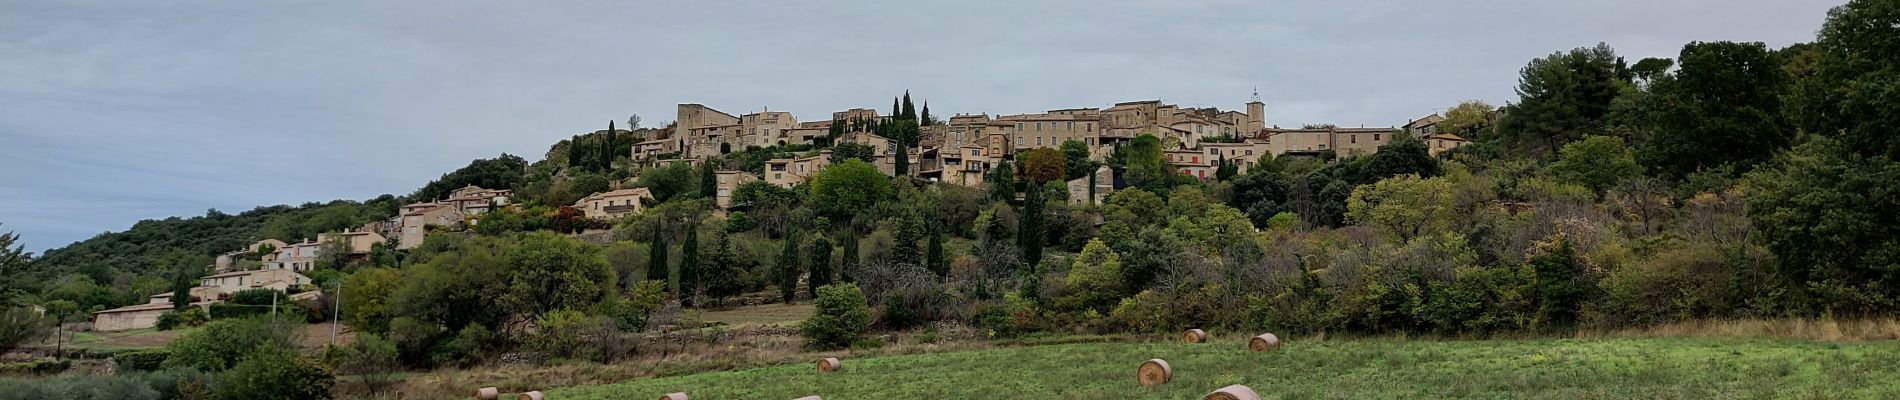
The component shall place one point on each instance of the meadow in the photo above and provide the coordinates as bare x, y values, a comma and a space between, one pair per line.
1641, 368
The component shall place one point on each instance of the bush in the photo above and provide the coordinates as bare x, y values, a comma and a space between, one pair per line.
35, 367
142, 360
287, 311
558, 334
222, 343
469, 347
274, 372
839, 317
192, 316
257, 297
77, 387
372, 358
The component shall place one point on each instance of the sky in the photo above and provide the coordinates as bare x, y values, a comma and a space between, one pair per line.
116, 111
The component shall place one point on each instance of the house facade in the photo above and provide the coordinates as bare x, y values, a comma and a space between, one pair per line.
614, 204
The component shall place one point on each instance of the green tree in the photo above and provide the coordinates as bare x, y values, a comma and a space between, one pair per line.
1562, 287
1723, 106
904, 246
1827, 214
1562, 97
1596, 162
821, 269
550, 271
1402, 155
185, 278
666, 182
276, 372
721, 271
1468, 115
1405, 206
1040, 166
848, 261
838, 319
505, 172
368, 309
843, 190
788, 269
933, 254
852, 150
1076, 162
1095, 278
1851, 93
1147, 167
689, 264
373, 359
657, 268
223, 343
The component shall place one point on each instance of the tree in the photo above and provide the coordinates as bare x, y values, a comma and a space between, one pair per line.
1076, 162
507, 172
1648, 69
61, 311
689, 264
721, 272
1851, 93
933, 254
1225, 170
657, 268
666, 182
788, 269
1147, 167
183, 280
843, 190
374, 359
902, 160
1826, 212
839, 317
1596, 162
1405, 206
852, 150
1095, 278
1722, 107
820, 264
221, 344
1562, 97
333, 253
550, 271
276, 372
1561, 286
848, 262
1404, 154
904, 246
633, 122
708, 181
1468, 115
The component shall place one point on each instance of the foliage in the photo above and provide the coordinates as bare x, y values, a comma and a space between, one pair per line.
1723, 106
672, 180
190, 317
505, 172
1828, 215
1405, 206
1562, 97
1596, 162
272, 372
852, 151
821, 265
141, 360
1851, 93
842, 190
1095, 278
549, 271
370, 289
1466, 116
838, 318
372, 358
221, 344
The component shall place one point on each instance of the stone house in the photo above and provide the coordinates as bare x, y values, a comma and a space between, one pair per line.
614, 204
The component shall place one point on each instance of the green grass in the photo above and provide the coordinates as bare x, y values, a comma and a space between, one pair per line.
1375, 368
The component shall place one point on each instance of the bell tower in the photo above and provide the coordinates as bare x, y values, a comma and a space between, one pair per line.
1256, 114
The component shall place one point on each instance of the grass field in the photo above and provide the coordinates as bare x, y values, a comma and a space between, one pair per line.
1688, 368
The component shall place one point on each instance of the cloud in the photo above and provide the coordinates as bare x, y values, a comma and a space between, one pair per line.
116, 111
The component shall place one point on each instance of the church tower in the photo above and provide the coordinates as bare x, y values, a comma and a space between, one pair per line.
1256, 114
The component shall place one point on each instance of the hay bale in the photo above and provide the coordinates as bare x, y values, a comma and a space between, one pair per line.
1154, 372
1194, 336
809, 398
1233, 392
828, 365
1264, 342
487, 393
674, 396
532, 395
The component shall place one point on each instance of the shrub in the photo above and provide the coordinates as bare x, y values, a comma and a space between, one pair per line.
469, 347
142, 360
77, 387
258, 297
275, 372
558, 334
35, 367
839, 317
287, 311
192, 316
373, 358
220, 344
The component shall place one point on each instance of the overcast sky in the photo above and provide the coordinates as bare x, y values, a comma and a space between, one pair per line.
117, 111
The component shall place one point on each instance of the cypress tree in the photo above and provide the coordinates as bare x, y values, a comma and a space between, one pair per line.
933, 255
708, 181
820, 265
1029, 232
925, 119
910, 111
909, 232
903, 159
181, 288
788, 266
574, 151
689, 264
657, 270
849, 264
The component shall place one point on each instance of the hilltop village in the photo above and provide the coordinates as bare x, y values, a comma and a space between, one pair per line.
962, 150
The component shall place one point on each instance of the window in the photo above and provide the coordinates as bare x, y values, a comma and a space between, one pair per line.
1375, 137
1355, 138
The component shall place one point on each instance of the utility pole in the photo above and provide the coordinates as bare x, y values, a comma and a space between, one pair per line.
336, 312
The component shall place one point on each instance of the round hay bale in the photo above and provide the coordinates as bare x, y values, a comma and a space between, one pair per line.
809, 398
1264, 342
829, 365
1194, 336
1154, 372
1233, 392
531, 395
487, 393
674, 396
